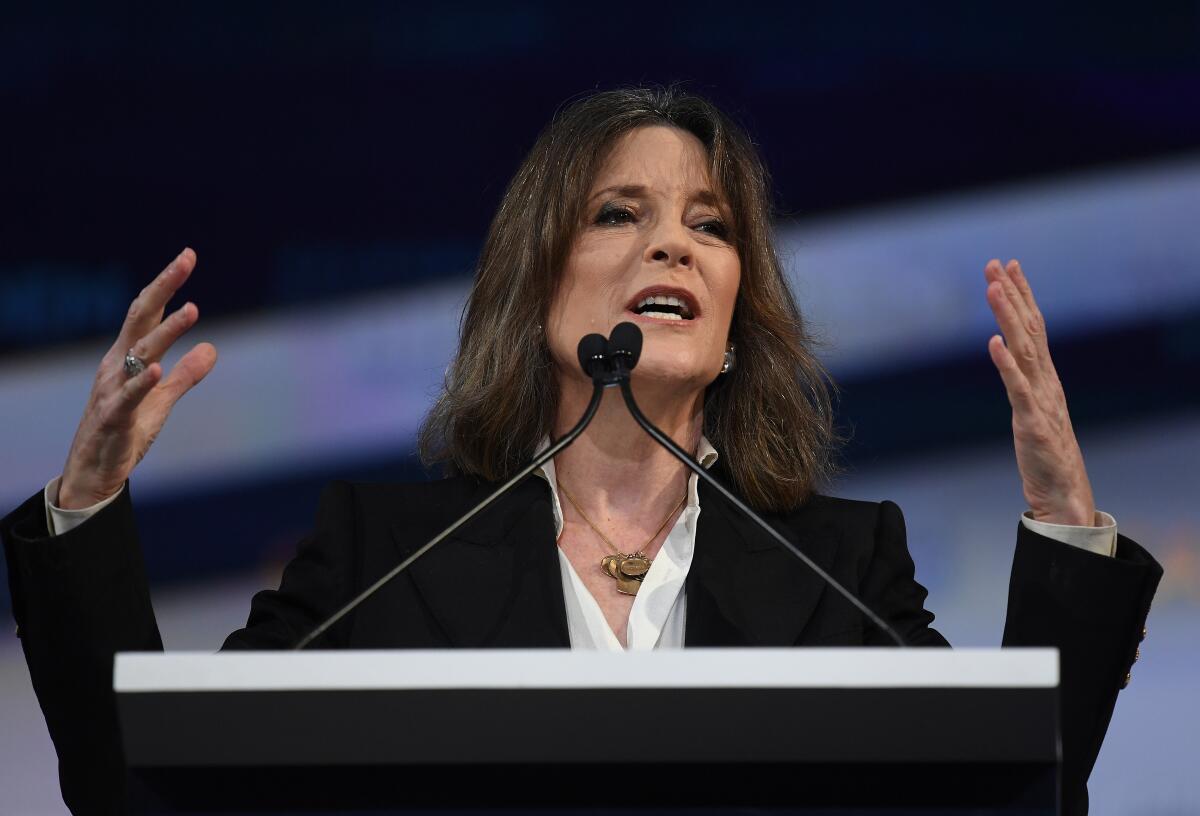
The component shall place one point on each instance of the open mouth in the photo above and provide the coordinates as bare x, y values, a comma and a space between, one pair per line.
664, 307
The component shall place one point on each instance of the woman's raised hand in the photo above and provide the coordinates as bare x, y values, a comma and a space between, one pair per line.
1052, 472
124, 414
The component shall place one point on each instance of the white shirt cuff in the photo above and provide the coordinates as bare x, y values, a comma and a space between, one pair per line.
1101, 539
59, 521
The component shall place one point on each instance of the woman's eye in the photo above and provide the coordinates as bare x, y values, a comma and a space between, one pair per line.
714, 227
613, 214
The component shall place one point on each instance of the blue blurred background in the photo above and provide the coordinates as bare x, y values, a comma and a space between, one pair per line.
335, 169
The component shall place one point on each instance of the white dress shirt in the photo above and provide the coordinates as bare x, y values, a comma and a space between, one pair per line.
659, 611
660, 606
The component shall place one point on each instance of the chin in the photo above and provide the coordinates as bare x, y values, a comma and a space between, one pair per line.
684, 370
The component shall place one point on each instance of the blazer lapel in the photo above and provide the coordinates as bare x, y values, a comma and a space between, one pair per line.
744, 588
496, 582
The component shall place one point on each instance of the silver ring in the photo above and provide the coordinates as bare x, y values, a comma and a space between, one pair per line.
134, 365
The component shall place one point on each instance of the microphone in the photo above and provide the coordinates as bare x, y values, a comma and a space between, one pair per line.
625, 347
624, 350
592, 352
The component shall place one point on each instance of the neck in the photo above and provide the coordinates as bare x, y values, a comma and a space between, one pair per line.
614, 468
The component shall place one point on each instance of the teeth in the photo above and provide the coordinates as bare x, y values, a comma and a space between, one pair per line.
662, 315
662, 300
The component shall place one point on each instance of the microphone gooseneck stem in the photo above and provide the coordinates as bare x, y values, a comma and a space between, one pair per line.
544, 457
664, 440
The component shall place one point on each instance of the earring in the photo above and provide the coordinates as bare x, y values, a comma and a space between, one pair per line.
730, 359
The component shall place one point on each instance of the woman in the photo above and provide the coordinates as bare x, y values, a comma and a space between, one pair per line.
642, 205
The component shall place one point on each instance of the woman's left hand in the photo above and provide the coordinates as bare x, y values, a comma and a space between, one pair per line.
1053, 475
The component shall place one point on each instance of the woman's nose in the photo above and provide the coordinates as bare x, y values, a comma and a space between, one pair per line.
671, 247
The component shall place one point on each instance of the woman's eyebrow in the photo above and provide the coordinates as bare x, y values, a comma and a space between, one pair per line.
703, 196
623, 190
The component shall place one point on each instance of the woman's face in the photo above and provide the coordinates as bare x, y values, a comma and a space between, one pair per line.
653, 250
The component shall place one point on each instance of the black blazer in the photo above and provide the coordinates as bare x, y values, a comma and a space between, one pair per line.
81, 596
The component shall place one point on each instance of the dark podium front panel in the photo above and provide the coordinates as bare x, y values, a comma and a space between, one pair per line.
754, 730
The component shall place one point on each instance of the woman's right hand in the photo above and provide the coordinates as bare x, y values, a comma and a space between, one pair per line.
124, 414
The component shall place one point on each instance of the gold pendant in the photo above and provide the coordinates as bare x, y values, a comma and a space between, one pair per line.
628, 586
610, 565
635, 566
627, 570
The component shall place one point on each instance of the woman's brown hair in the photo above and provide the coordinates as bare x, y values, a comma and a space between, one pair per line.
770, 417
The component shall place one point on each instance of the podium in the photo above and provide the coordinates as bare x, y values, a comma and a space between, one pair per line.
845, 731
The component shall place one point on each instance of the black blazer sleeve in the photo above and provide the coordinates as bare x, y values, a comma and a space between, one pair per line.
1093, 608
79, 598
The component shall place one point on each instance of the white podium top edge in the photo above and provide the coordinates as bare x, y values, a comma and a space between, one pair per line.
347, 670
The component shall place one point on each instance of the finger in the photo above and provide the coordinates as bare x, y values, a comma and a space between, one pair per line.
1015, 337
1014, 296
1017, 275
1031, 319
132, 392
155, 344
146, 309
1020, 392
995, 272
1003, 299
191, 369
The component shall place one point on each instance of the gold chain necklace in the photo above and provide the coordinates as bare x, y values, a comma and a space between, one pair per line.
627, 570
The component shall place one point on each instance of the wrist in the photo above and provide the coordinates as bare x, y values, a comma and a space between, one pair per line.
1081, 515
71, 497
